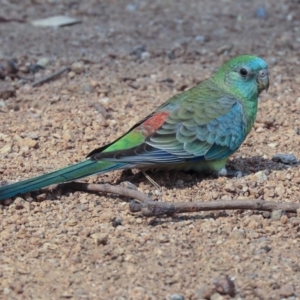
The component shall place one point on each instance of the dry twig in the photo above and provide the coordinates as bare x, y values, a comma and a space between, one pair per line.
11, 19
149, 208
51, 76
104, 188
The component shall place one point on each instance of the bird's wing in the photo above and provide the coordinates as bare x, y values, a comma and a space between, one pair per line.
205, 126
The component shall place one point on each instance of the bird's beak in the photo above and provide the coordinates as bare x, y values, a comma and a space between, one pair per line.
263, 80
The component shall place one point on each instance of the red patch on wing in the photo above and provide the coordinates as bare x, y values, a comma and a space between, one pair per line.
154, 122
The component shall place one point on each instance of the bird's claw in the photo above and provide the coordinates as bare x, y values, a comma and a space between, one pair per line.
230, 173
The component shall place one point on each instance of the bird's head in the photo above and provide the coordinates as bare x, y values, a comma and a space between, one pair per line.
245, 75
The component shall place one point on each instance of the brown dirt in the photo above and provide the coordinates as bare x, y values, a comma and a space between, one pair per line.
85, 246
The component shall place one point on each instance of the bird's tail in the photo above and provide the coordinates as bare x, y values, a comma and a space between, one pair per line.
83, 169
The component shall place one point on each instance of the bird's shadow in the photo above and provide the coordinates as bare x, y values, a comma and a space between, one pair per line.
182, 179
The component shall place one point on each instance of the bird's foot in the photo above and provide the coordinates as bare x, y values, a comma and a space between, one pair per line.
152, 181
230, 173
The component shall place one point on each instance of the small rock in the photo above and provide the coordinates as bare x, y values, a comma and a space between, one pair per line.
200, 38
138, 50
261, 13
273, 145
2, 104
41, 197
34, 68
145, 55
86, 88
288, 159
216, 296
31, 134
43, 62
100, 238
260, 129
28, 142
7, 291
49, 246
206, 291
163, 238
176, 297
132, 7
229, 187
238, 233
67, 294
19, 203
54, 99
261, 176
71, 74
287, 290
180, 183
262, 250
225, 286
6, 149
284, 219
253, 224
104, 100
6, 90
224, 49
276, 215
71, 222
67, 136
295, 221
117, 222
77, 67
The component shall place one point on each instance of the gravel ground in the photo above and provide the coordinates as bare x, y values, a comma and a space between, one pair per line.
127, 58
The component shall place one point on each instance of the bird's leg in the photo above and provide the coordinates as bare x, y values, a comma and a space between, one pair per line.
230, 173
152, 181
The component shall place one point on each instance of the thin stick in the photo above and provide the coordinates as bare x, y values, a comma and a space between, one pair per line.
51, 76
104, 188
153, 208
5, 19
148, 207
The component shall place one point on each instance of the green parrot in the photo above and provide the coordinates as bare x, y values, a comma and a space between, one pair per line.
194, 130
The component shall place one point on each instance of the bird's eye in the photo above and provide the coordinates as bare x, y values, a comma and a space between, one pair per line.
243, 72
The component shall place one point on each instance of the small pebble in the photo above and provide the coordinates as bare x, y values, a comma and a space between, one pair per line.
261, 13
6, 149
238, 234
288, 159
2, 104
176, 297
19, 203
145, 55
43, 62
77, 67
287, 290
71, 74
200, 38
104, 100
100, 238
132, 7
138, 50
295, 221
216, 296
6, 90
261, 176
225, 286
276, 215
284, 219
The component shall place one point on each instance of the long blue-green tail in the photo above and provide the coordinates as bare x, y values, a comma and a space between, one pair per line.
83, 169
